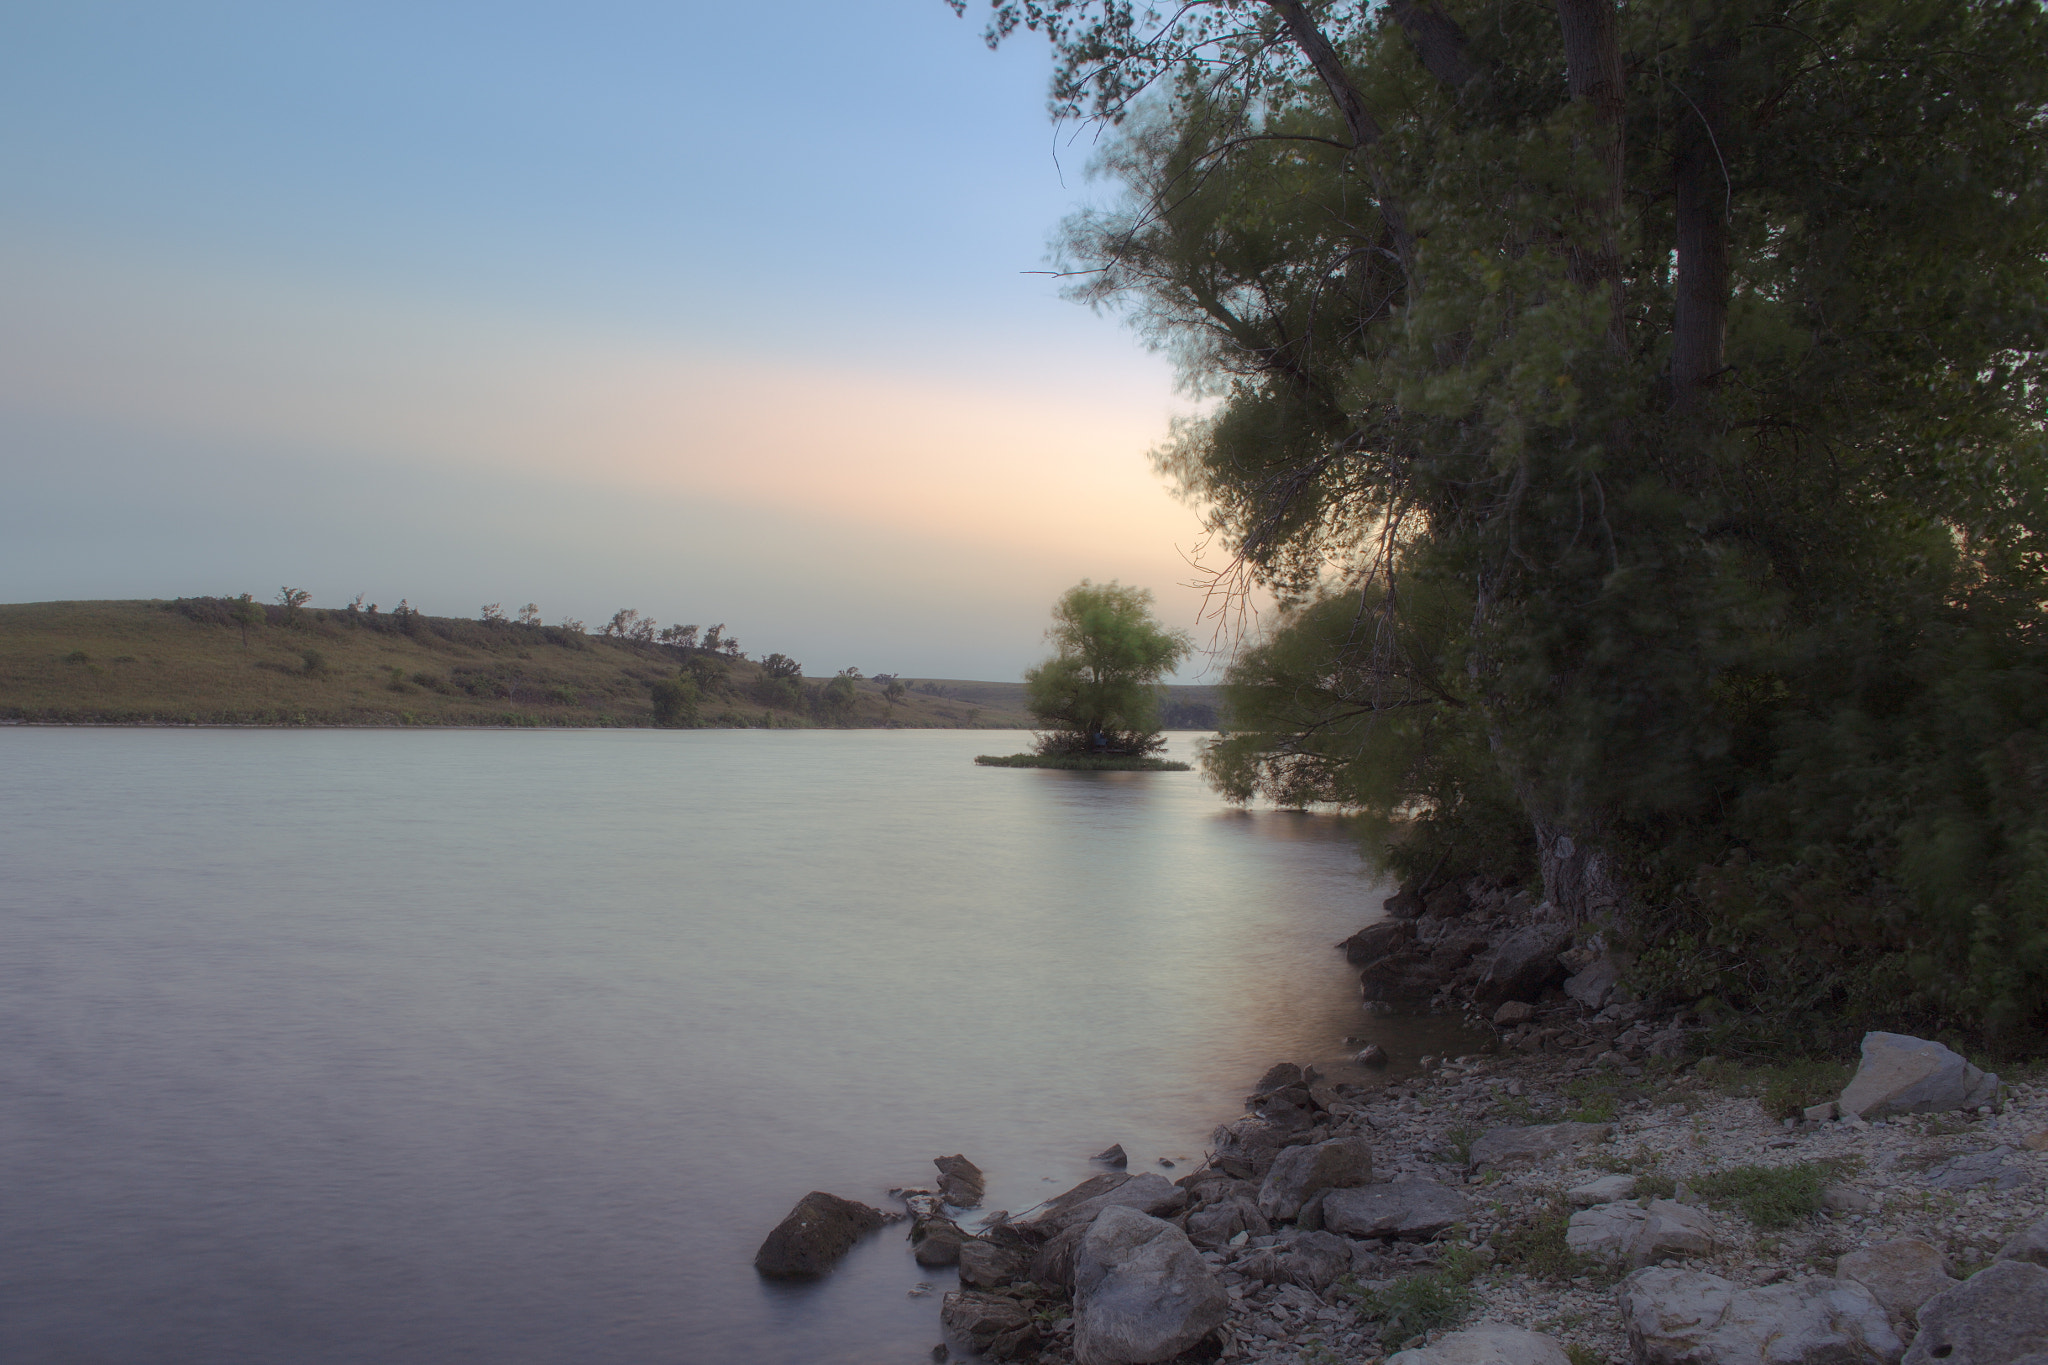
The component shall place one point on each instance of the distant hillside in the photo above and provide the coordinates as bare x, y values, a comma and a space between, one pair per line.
191, 662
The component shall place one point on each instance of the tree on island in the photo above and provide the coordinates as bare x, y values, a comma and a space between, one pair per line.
1100, 689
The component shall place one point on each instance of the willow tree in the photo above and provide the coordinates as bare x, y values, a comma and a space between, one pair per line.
1695, 350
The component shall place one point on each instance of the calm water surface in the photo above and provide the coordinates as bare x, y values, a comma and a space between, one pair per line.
401, 1047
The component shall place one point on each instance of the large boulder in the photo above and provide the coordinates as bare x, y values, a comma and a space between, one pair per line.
1141, 1291
1903, 1274
1503, 1146
1604, 1190
960, 1181
1246, 1148
938, 1243
1905, 1075
1687, 1317
1148, 1193
1313, 1260
1376, 941
1298, 1172
1486, 1343
2030, 1245
1522, 964
994, 1324
1412, 1209
1631, 1234
816, 1233
1999, 1316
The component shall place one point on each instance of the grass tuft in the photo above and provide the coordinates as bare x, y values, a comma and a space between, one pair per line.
1770, 1196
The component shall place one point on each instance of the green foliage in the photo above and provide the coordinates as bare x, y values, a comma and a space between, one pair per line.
1084, 763
676, 701
314, 661
1535, 1245
1103, 677
1770, 1196
1416, 1304
1685, 504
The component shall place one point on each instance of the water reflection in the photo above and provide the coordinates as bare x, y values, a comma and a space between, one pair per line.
333, 1046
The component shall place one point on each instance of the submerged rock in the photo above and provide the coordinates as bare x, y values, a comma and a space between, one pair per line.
960, 1181
816, 1233
1114, 1156
1150, 1193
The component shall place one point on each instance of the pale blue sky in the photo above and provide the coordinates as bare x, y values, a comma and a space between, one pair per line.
721, 312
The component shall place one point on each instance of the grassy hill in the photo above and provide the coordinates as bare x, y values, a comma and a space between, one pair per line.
189, 662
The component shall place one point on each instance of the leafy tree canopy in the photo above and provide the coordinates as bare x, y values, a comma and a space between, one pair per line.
1639, 411
1103, 677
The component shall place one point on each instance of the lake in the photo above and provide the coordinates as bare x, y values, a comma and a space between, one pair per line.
433, 1046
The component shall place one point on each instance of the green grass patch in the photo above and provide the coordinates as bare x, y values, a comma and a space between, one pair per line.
1083, 763
1770, 1196
1416, 1304
1536, 1246
1784, 1090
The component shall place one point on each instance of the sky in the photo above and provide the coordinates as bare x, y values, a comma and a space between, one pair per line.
726, 313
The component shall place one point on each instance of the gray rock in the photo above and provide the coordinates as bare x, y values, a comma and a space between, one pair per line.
939, 1245
2030, 1245
985, 1319
1500, 1146
1605, 1190
1593, 984
1298, 1172
1635, 1235
1687, 1317
1112, 1156
1512, 1013
1376, 941
1148, 1193
1212, 1226
1903, 1274
816, 1233
1052, 1265
1977, 1171
1846, 1199
1246, 1148
1406, 975
1522, 964
1279, 1076
1905, 1075
984, 1265
1820, 1113
1486, 1343
1372, 1054
1141, 1291
960, 1181
1313, 1260
1998, 1316
1403, 904
1405, 1208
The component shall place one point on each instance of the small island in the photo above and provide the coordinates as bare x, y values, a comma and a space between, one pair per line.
1098, 695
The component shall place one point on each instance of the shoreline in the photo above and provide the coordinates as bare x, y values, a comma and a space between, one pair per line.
1524, 1186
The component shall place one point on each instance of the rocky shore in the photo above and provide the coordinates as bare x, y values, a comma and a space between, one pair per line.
1587, 1192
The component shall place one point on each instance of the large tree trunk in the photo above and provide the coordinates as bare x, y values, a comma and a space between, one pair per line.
1592, 62
1703, 193
1578, 877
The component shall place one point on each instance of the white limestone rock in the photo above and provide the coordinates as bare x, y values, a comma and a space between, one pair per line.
1686, 1317
1905, 1075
